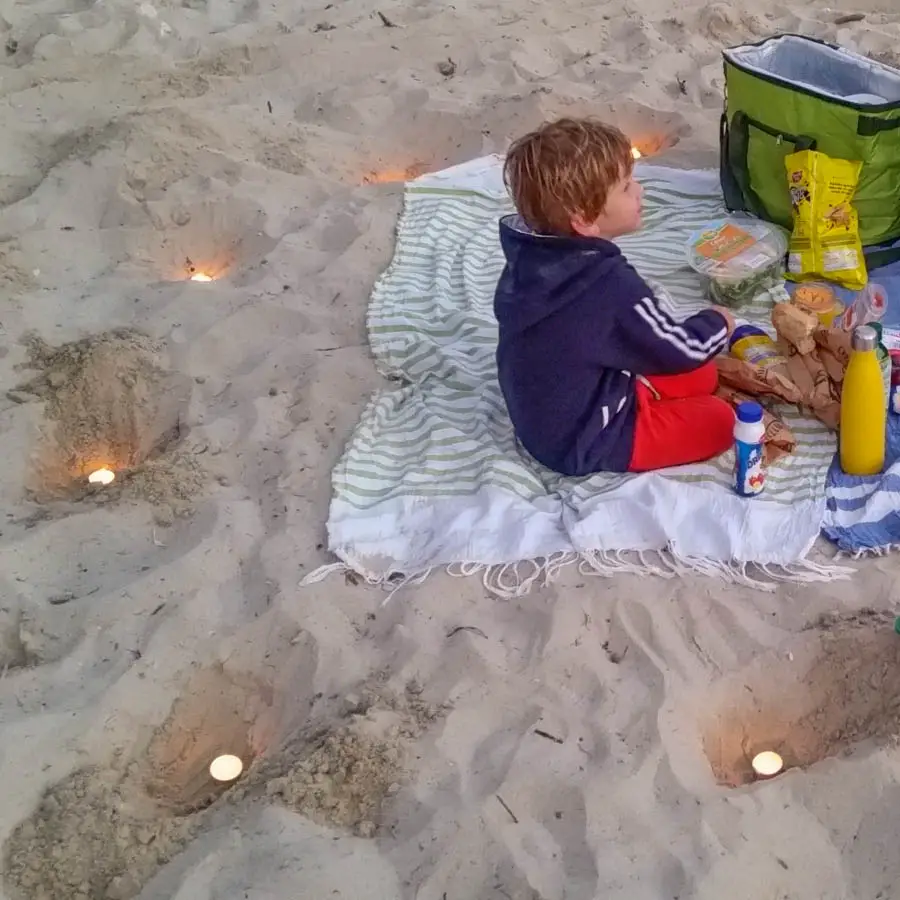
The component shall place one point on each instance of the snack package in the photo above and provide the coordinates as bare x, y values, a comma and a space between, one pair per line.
825, 242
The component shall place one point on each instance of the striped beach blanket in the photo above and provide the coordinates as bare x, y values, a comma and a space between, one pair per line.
433, 477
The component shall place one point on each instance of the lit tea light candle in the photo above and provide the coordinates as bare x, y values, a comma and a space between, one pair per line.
636, 153
767, 764
102, 476
226, 767
201, 276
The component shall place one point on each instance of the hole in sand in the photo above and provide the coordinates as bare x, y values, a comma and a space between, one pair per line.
441, 140
112, 407
202, 241
833, 687
215, 717
652, 132
396, 175
102, 832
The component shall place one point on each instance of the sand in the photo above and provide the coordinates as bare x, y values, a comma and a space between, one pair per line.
591, 740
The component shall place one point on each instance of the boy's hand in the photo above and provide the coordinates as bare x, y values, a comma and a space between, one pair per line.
727, 316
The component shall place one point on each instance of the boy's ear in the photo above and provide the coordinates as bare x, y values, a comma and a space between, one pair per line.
581, 226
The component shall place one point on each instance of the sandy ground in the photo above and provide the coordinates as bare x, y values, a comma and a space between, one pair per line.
588, 741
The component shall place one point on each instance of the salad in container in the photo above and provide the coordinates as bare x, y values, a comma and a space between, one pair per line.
742, 258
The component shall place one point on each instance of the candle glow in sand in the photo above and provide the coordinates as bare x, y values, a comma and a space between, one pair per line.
226, 767
767, 764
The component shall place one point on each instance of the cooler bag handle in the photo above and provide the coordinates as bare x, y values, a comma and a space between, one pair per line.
736, 149
869, 126
876, 257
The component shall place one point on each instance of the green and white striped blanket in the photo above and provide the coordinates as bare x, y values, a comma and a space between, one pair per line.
432, 476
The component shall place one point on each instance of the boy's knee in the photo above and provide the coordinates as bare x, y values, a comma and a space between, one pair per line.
720, 422
708, 378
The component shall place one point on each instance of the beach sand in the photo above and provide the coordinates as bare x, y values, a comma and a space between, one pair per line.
588, 741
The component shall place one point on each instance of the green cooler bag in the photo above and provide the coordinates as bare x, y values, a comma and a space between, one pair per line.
792, 93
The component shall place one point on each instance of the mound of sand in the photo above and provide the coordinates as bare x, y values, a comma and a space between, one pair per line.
109, 402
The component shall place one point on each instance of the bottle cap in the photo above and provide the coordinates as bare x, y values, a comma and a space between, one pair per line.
749, 412
864, 338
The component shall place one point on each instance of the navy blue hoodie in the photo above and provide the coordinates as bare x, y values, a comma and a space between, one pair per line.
577, 325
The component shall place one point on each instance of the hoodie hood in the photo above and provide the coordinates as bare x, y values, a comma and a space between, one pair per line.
547, 272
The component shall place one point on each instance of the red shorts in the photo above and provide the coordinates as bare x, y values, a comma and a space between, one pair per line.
685, 423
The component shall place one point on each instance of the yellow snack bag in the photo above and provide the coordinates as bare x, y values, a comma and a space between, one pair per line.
825, 243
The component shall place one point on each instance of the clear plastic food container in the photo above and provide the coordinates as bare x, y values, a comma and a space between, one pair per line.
742, 257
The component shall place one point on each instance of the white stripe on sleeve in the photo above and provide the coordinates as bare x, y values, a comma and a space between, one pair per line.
678, 333
692, 348
690, 352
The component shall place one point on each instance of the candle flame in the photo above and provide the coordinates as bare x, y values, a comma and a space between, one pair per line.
201, 276
767, 764
226, 767
636, 154
102, 476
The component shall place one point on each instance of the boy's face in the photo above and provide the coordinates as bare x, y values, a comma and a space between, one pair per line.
621, 215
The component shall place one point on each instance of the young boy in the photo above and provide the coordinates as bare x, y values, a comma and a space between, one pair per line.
597, 376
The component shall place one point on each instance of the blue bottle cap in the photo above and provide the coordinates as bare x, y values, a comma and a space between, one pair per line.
749, 412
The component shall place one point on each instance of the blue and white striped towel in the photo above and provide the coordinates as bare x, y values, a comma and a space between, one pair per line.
862, 514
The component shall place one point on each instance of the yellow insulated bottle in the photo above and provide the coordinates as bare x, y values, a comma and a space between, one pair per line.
863, 407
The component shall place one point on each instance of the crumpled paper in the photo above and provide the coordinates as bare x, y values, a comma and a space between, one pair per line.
779, 440
771, 382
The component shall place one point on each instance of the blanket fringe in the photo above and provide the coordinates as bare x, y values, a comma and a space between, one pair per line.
867, 552
513, 580
668, 564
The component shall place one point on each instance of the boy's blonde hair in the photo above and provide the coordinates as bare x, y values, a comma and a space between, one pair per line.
565, 169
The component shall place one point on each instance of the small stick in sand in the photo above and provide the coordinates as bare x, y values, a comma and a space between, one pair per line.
385, 20
471, 628
502, 802
850, 17
550, 737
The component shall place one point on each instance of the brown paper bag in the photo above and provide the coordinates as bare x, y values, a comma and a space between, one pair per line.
796, 332
760, 382
796, 326
834, 350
